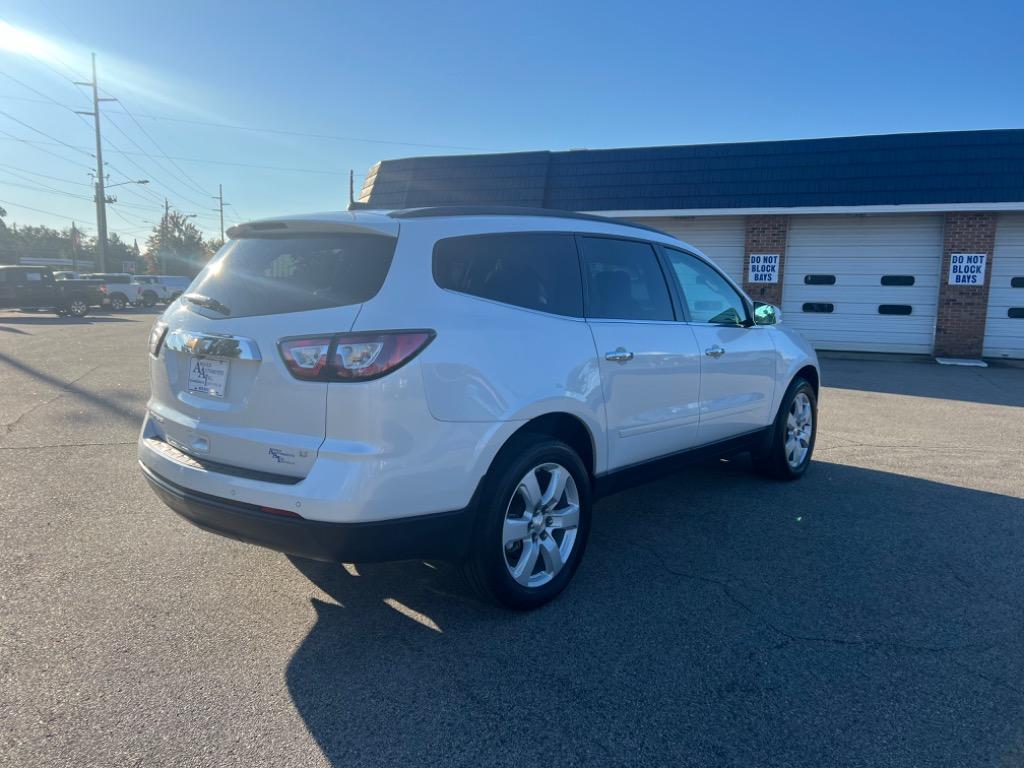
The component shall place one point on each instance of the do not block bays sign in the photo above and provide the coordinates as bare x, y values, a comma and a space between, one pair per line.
764, 268
967, 268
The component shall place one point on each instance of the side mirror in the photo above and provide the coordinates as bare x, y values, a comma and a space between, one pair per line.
766, 314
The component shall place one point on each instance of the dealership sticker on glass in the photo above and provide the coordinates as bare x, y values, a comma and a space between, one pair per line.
207, 376
967, 268
764, 268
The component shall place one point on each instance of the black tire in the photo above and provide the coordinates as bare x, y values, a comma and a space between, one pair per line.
148, 299
118, 302
773, 461
487, 568
77, 307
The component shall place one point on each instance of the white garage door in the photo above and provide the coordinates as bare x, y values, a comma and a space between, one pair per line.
863, 283
719, 238
1004, 325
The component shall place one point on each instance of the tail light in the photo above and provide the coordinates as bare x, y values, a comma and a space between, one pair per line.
352, 356
156, 337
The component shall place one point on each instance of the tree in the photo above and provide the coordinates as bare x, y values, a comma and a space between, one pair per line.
118, 252
176, 247
44, 244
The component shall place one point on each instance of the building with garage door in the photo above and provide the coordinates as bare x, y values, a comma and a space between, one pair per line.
910, 243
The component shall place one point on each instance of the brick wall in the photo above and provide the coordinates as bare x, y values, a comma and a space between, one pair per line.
960, 327
765, 234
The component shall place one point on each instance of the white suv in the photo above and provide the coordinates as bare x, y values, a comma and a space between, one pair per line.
458, 383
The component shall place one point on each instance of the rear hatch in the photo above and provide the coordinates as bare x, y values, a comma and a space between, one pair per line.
221, 391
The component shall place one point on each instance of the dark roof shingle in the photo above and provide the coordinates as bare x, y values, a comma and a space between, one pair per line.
896, 169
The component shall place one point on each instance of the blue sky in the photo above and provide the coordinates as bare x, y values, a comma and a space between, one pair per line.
400, 78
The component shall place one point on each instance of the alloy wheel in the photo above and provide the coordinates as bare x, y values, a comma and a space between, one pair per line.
799, 428
541, 523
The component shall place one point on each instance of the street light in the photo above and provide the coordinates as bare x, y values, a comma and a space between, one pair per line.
122, 183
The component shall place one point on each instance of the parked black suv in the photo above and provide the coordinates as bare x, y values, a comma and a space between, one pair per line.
35, 288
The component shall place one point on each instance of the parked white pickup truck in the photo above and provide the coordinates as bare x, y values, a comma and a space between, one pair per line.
154, 289
176, 284
119, 289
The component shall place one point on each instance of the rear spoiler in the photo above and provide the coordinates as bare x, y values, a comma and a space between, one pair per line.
364, 225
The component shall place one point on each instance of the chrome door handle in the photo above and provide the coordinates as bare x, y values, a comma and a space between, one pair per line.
620, 355
715, 351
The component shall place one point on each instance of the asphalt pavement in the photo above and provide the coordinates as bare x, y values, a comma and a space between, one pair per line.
870, 614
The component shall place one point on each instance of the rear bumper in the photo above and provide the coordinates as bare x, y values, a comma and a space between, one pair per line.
441, 536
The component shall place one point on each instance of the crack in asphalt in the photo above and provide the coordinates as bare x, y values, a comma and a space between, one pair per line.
897, 446
980, 373
996, 681
63, 445
727, 591
974, 591
64, 388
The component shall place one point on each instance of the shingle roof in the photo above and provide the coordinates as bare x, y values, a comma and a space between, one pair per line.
896, 169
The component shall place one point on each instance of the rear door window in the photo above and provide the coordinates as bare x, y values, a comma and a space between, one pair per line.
275, 275
624, 280
533, 270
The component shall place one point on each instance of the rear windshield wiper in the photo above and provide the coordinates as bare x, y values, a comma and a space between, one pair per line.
208, 302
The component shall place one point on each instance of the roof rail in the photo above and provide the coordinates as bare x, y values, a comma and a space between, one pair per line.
508, 210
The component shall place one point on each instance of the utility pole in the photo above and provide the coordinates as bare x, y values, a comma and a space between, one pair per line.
219, 197
101, 199
163, 237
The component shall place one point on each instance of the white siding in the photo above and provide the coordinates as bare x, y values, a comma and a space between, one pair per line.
722, 239
859, 250
1004, 336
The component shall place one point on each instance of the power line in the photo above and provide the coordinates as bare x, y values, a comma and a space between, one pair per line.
218, 162
175, 193
37, 145
38, 185
278, 131
48, 98
125, 218
45, 63
80, 117
37, 210
100, 169
308, 135
46, 176
44, 133
145, 133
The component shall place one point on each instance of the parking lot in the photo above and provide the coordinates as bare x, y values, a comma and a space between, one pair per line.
870, 614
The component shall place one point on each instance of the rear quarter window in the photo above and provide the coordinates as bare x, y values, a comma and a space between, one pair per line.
276, 275
533, 270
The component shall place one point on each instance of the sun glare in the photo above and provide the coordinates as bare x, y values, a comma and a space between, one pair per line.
24, 43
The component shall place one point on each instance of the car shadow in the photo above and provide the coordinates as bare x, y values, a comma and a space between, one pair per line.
854, 617
999, 384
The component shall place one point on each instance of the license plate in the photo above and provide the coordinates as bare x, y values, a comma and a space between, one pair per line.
207, 376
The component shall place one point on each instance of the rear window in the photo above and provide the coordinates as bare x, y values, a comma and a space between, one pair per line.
534, 270
275, 275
